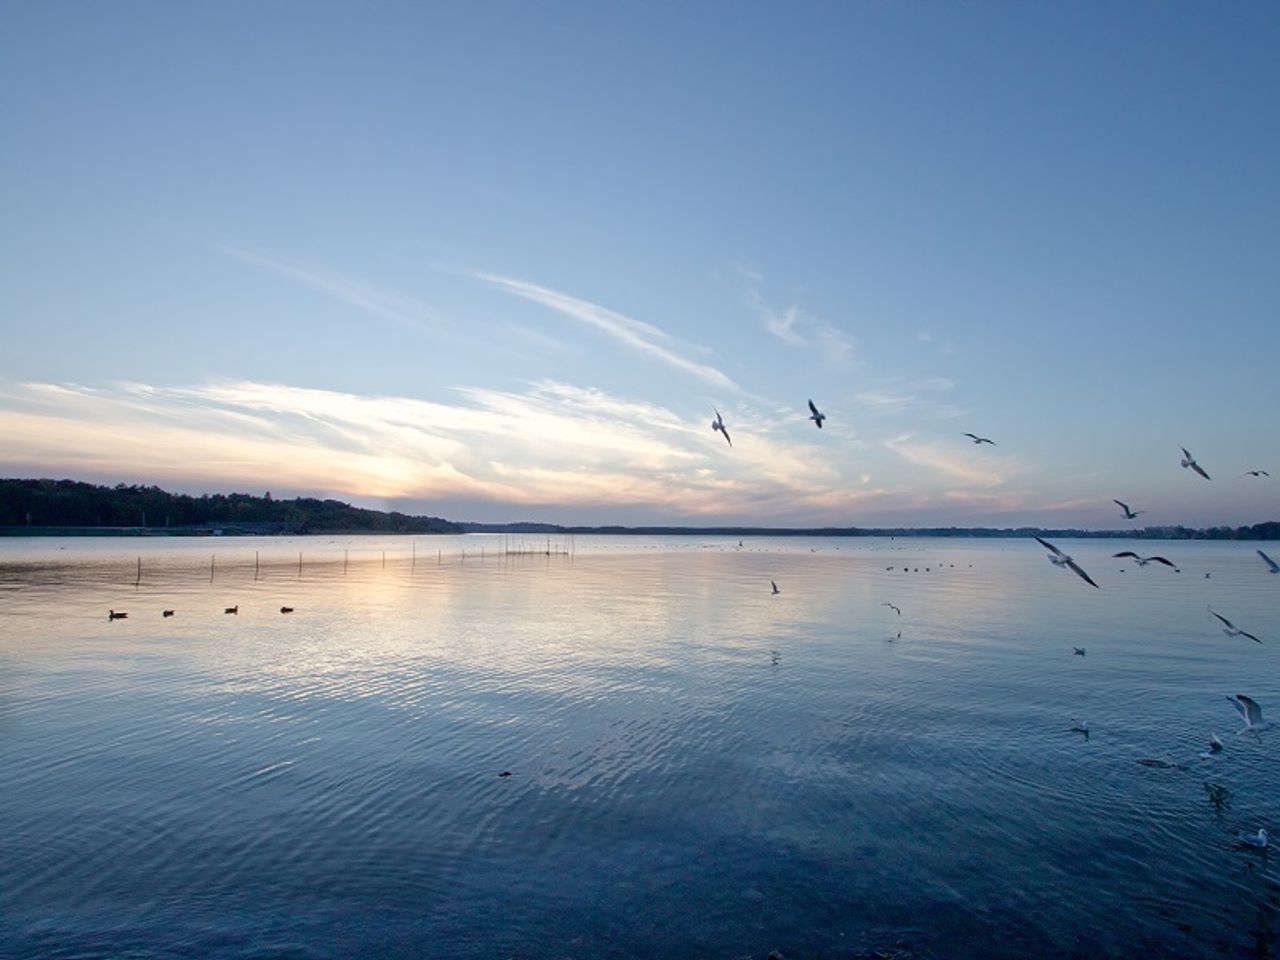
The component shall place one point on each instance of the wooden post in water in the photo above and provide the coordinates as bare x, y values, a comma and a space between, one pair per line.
299, 563
139, 578
344, 562
255, 565
414, 564
384, 559
212, 559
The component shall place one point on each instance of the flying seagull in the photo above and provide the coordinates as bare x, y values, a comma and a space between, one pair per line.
1271, 564
775, 588
1077, 651
1250, 713
892, 607
817, 416
718, 424
1189, 461
1128, 514
116, 615
1255, 473
1060, 559
1231, 630
1143, 561
980, 440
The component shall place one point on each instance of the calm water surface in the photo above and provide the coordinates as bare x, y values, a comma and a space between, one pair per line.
697, 768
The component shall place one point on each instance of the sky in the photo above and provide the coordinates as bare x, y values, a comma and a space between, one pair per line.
505, 261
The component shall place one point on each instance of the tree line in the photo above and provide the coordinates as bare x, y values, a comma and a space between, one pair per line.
30, 504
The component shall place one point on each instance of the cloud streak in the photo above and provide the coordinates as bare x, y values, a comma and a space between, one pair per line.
639, 336
406, 311
796, 328
550, 443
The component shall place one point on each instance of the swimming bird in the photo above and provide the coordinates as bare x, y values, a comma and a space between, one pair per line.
166, 613
1231, 630
1143, 561
1258, 839
286, 609
1189, 461
817, 416
1080, 726
1077, 651
116, 615
1128, 514
1255, 473
1250, 713
1271, 564
718, 424
776, 591
235, 609
980, 440
892, 607
1060, 559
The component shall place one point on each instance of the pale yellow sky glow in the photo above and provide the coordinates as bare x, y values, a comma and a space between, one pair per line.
550, 444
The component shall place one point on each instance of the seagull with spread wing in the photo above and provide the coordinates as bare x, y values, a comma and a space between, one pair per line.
1230, 629
1250, 713
1271, 564
1189, 461
1143, 561
980, 440
1060, 559
1128, 514
817, 416
718, 424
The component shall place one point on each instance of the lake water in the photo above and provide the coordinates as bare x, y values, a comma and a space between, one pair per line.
698, 768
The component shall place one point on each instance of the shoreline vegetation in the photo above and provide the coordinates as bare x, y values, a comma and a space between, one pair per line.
63, 508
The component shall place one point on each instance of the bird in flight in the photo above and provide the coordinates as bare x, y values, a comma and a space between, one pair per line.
980, 440
1255, 473
892, 607
1128, 514
1230, 629
817, 416
1271, 564
1189, 461
1060, 559
1143, 561
1250, 713
775, 587
1077, 651
718, 424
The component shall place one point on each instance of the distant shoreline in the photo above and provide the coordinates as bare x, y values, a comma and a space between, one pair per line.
1270, 532
71, 508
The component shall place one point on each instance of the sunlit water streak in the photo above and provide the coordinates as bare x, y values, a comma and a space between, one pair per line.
326, 782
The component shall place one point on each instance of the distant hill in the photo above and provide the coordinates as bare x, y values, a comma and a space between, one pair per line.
66, 506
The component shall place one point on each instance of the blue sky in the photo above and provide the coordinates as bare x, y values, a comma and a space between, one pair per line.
502, 261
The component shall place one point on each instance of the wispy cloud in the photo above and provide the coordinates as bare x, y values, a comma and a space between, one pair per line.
407, 311
955, 462
550, 443
795, 327
894, 396
642, 337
